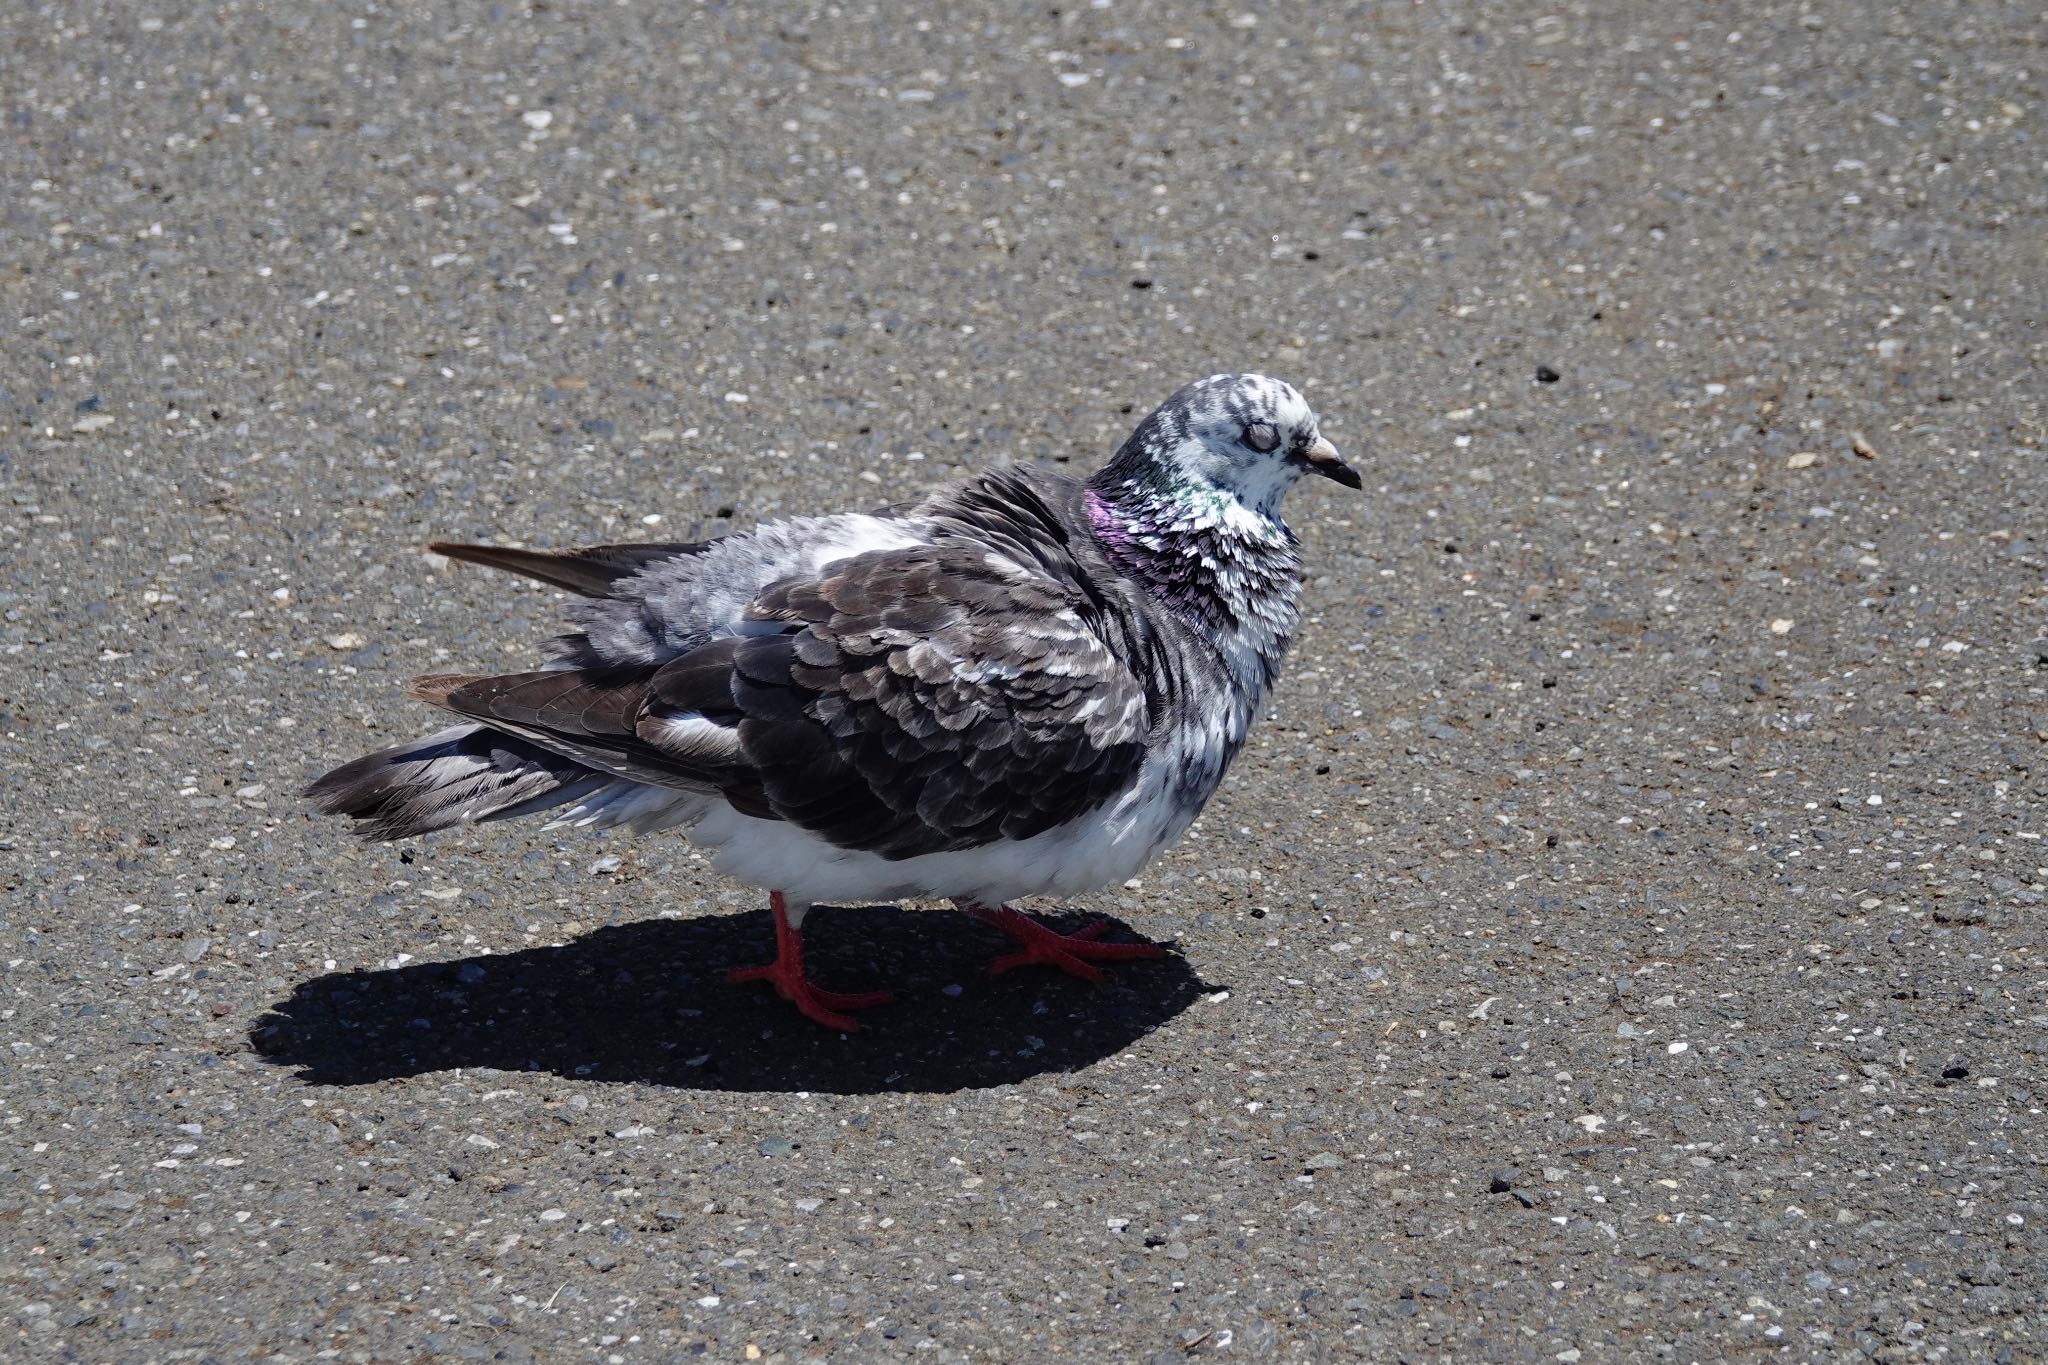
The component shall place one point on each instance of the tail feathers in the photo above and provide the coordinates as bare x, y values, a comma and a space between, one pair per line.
635, 805
456, 776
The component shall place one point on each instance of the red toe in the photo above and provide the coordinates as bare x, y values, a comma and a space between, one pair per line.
786, 975
1075, 953
814, 1002
851, 1000
1042, 956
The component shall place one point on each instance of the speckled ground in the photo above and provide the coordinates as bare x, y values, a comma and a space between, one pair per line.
1621, 941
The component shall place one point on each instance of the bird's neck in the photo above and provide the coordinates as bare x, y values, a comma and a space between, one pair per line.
1230, 573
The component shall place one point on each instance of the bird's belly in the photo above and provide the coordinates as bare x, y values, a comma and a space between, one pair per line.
1107, 845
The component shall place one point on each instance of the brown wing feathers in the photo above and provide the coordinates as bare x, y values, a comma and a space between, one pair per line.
590, 571
923, 676
608, 719
910, 702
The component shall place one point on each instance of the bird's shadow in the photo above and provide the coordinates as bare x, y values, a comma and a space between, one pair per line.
649, 1002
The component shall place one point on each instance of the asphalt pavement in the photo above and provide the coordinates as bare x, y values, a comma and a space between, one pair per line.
1621, 940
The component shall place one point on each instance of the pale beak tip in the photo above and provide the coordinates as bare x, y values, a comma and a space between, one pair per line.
1324, 460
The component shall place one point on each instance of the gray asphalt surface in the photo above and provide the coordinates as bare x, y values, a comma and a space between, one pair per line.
1622, 940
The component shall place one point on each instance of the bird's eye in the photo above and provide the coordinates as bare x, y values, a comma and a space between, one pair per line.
1261, 437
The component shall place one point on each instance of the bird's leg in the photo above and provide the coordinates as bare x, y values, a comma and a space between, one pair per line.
1075, 953
786, 974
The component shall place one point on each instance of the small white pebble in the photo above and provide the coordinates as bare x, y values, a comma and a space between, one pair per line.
552, 1215
1781, 626
537, 119
1676, 1048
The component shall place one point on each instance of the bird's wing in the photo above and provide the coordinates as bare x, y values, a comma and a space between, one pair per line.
907, 701
590, 571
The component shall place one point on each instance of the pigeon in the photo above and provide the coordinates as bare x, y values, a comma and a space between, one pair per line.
1021, 684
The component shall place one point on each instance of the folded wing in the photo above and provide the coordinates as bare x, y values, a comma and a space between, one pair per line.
591, 571
905, 702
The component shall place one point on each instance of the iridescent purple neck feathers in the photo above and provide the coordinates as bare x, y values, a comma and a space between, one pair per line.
1232, 581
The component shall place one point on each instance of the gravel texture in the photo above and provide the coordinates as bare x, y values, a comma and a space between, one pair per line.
1622, 939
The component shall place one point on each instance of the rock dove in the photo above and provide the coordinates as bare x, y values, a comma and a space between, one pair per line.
1021, 684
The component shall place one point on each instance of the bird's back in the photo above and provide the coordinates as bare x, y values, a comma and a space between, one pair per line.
673, 605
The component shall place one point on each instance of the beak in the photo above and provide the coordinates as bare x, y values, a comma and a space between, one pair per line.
1323, 459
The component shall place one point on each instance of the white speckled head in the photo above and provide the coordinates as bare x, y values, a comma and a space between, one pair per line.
1243, 435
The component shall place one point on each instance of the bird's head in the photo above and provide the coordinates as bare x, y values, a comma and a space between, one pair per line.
1241, 435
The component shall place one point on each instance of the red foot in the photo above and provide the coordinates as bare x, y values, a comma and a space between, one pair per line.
786, 975
1073, 953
